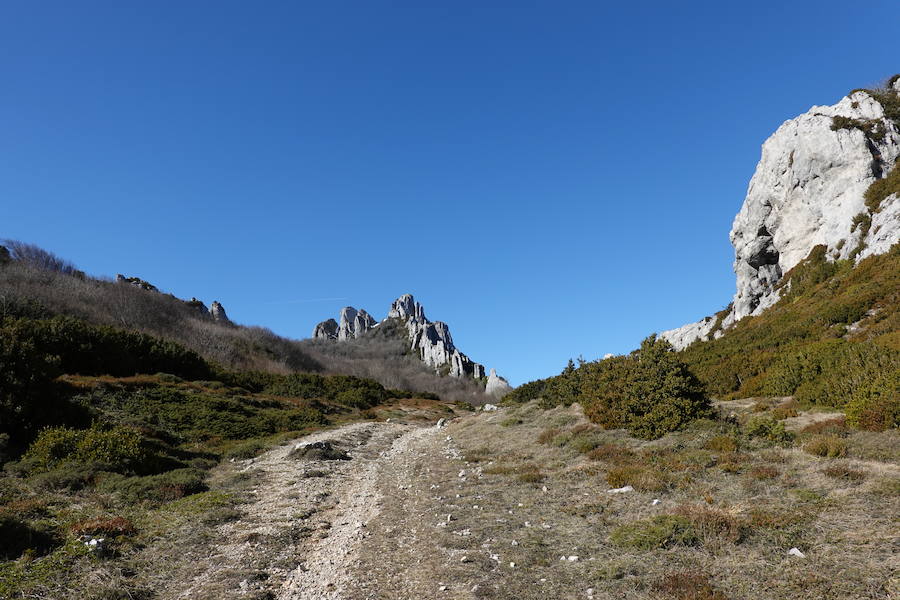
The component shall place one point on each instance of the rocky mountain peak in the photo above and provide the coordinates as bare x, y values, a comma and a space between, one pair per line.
431, 340
814, 186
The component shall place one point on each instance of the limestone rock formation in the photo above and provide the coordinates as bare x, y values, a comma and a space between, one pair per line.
431, 340
808, 190
137, 282
217, 312
354, 323
326, 330
198, 306
497, 386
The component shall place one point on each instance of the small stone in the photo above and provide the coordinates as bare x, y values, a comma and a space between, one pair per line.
515, 543
621, 490
572, 558
443, 588
512, 565
796, 552
655, 502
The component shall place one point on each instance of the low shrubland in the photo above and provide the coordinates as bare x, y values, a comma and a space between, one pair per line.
830, 341
649, 392
101, 426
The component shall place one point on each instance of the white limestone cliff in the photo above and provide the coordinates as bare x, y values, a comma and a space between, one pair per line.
808, 190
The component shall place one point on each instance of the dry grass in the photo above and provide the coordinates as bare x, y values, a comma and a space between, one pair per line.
712, 524
729, 510
827, 446
845, 472
764, 472
687, 585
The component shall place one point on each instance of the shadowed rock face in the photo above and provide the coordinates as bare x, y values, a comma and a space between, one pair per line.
431, 340
808, 187
326, 330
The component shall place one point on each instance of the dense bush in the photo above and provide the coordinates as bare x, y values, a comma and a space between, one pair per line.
829, 372
79, 347
118, 448
526, 392
875, 404
650, 392
343, 389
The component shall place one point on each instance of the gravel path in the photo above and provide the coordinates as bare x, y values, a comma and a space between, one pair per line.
301, 530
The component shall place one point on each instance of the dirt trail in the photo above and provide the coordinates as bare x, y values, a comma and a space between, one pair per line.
301, 530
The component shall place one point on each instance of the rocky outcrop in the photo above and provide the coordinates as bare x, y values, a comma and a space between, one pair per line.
809, 189
497, 386
198, 306
354, 323
430, 340
217, 312
137, 282
326, 330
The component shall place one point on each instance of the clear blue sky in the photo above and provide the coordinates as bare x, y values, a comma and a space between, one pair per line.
549, 178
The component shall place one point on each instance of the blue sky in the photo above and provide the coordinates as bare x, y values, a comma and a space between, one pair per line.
552, 179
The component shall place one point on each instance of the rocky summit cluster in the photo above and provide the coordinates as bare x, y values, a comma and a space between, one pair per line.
816, 185
215, 311
431, 340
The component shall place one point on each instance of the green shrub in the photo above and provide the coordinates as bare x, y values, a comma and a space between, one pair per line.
120, 448
186, 414
526, 392
68, 476
155, 489
875, 405
768, 429
662, 531
722, 443
248, 449
650, 392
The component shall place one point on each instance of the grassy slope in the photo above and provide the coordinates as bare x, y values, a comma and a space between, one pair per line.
828, 307
833, 340
531, 485
103, 302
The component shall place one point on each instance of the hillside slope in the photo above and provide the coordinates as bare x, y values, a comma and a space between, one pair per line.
30, 274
